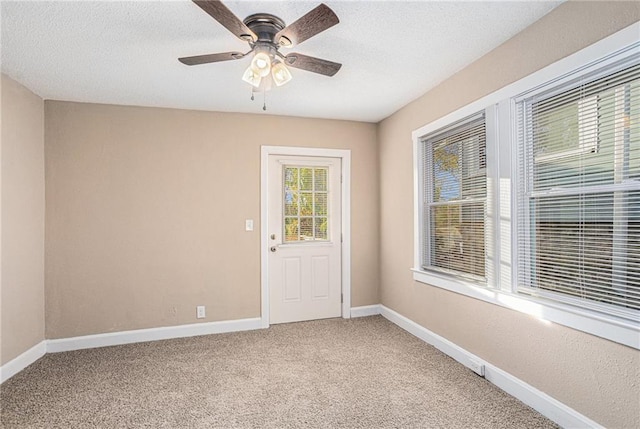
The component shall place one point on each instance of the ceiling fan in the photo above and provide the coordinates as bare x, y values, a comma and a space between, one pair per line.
266, 34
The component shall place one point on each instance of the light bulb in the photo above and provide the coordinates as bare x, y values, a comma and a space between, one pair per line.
250, 76
280, 73
261, 64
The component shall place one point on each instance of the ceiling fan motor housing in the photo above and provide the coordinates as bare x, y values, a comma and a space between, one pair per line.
266, 26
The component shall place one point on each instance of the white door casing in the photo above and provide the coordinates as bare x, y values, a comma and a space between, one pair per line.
307, 275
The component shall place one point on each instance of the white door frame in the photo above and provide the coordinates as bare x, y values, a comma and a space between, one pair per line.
345, 156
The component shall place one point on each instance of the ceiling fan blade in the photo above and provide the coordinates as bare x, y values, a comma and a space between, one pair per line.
312, 64
211, 58
224, 16
307, 26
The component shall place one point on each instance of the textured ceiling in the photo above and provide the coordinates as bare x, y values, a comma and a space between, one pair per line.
125, 52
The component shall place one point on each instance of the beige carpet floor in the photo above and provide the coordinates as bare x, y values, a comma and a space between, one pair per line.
358, 373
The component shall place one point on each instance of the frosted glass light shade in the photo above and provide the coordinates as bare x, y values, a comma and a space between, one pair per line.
261, 64
280, 73
252, 77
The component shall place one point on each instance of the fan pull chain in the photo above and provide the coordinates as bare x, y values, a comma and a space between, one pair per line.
251, 93
264, 100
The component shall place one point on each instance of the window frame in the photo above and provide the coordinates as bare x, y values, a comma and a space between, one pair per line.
299, 191
426, 199
502, 205
566, 191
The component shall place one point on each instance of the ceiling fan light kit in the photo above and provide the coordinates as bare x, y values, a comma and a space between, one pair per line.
261, 64
280, 73
252, 77
266, 34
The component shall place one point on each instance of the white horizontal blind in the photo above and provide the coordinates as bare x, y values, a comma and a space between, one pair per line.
579, 196
455, 191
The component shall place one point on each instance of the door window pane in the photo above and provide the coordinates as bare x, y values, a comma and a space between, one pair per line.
306, 204
290, 203
291, 179
291, 232
321, 228
306, 228
320, 204
306, 179
320, 179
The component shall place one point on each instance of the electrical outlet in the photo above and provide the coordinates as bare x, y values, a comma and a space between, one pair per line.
200, 312
477, 367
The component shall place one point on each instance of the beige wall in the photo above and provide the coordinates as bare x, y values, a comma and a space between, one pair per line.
22, 293
146, 210
596, 377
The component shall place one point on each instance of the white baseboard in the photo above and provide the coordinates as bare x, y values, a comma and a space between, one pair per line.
546, 405
19, 363
540, 401
151, 334
365, 310
16, 365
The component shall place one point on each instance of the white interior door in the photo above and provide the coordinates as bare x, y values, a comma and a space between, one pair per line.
304, 238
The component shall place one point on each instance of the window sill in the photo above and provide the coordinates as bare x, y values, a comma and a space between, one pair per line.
611, 328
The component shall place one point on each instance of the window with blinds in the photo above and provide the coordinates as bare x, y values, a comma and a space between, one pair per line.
579, 196
533, 203
455, 191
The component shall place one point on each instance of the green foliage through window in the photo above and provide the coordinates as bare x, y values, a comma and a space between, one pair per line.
306, 204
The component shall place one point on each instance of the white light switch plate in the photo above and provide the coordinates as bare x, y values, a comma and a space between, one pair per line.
248, 225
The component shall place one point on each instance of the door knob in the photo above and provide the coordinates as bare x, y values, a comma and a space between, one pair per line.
273, 248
